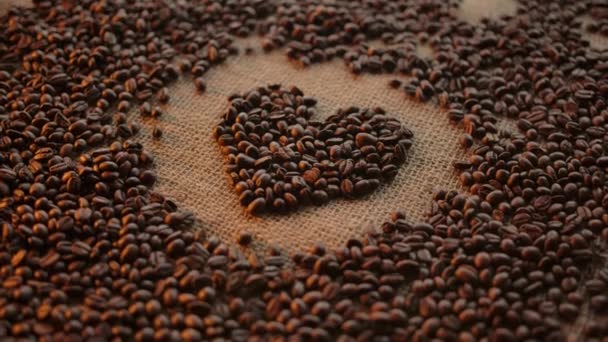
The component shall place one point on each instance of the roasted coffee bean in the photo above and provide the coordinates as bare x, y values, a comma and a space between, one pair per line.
466, 140
156, 112
145, 109
395, 83
200, 84
364, 139
245, 238
163, 95
157, 132
257, 206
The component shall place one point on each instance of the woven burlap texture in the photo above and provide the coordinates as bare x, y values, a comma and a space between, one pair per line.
189, 162
190, 165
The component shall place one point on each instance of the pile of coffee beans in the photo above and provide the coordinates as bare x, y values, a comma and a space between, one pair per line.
278, 158
89, 251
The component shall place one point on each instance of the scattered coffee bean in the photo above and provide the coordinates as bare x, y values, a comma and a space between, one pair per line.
245, 238
395, 83
157, 132
200, 84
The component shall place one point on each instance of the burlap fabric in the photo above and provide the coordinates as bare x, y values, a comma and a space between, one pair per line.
190, 166
189, 163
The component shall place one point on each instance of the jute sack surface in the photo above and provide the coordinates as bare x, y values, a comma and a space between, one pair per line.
190, 165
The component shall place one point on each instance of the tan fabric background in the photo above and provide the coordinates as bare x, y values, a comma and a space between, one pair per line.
189, 163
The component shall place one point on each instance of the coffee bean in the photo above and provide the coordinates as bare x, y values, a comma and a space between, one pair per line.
156, 112
245, 238
364, 139
129, 253
200, 84
395, 83
256, 206
163, 95
145, 109
466, 274
157, 132
319, 197
466, 140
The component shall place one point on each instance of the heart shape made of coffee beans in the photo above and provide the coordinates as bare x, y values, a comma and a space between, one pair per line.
279, 159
